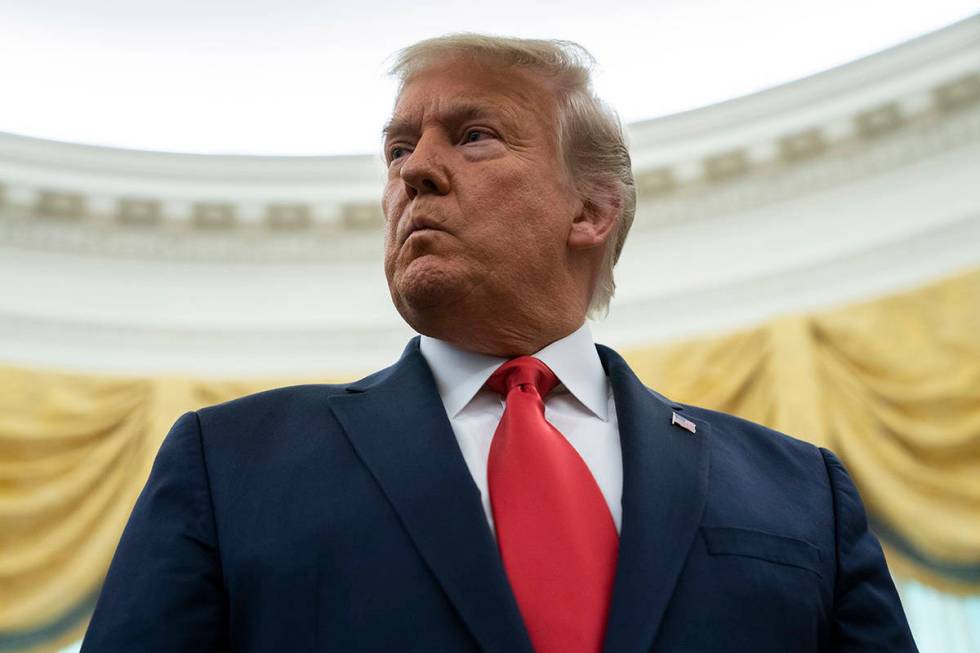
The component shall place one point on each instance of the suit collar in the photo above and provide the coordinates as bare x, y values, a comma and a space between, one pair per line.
665, 482
460, 374
396, 423
384, 375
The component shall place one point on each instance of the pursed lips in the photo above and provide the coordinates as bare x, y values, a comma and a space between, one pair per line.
421, 223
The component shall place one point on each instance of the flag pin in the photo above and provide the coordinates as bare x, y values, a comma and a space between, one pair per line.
684, 423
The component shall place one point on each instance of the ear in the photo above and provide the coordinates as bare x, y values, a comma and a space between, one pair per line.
594, 224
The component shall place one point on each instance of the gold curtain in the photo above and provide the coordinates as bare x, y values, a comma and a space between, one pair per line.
891, 385
75, 451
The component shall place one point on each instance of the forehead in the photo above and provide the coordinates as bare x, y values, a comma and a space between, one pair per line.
463, 91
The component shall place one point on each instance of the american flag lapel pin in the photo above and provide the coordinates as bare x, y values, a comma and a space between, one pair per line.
684, 423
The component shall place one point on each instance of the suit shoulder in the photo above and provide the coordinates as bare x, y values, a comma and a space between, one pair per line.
731, 426
265, 429
740, 426
268, 411
287, 396
759, 466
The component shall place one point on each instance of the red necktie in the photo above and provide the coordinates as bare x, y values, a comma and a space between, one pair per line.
554, 530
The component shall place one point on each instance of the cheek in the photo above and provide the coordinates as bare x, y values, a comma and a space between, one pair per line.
520, 212
392, 204
388, 197
389, 243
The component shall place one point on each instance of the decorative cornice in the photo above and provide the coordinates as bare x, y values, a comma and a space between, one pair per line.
853, 183
877, 113
803, 163
343, 347
797, 164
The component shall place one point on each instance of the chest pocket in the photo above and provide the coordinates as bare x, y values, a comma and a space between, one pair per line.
725, 541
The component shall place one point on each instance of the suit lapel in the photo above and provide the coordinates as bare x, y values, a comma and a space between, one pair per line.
665, 479
396, 422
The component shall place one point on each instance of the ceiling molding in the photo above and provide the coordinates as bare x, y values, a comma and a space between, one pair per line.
878, 112
854, 183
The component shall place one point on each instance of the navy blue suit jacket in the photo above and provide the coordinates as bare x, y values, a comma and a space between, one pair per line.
343, 518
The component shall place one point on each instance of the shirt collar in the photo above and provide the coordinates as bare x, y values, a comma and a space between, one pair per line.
460, 374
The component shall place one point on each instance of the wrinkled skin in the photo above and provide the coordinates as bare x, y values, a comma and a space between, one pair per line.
487, 245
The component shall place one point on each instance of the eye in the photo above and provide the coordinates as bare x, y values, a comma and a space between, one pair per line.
397, 152
476, 135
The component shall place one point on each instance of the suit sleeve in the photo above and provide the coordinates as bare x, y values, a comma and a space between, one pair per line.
868, 614
164, 588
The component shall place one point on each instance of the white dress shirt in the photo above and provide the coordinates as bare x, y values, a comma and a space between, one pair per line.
581, 407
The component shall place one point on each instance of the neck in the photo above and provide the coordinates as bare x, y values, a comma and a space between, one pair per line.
503, 324
510, 343
498, 336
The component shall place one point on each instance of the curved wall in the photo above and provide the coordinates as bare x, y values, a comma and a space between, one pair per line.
853, 183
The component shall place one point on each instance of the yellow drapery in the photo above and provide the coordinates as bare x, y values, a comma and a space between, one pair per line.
891, 385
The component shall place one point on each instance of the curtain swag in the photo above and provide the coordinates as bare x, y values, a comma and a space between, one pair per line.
891, 385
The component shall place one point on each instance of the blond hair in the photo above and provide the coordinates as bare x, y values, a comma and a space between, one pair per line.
590, 136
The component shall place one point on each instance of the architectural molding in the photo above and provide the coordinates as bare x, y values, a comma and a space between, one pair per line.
803, 163
857, 182
351, 346
859, 119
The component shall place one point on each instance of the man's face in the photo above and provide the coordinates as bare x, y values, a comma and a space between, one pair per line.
477, 206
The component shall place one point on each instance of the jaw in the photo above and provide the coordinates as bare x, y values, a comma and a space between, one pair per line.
429, 283
476, 302
469, 311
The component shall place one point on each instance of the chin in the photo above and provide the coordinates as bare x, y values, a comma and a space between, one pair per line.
426, 284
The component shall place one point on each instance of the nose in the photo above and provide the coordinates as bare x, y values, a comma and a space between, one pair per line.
424, 171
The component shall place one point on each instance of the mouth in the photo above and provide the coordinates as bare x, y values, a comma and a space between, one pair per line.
422, 224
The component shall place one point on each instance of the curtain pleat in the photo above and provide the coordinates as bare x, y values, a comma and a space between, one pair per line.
892, 385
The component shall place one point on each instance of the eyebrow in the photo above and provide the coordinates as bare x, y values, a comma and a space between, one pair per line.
452, 114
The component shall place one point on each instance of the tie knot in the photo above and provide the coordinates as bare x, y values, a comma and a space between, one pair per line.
523, 371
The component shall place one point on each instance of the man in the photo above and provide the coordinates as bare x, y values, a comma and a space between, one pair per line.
506, 486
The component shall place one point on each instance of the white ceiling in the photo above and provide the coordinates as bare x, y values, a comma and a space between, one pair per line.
307, 77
